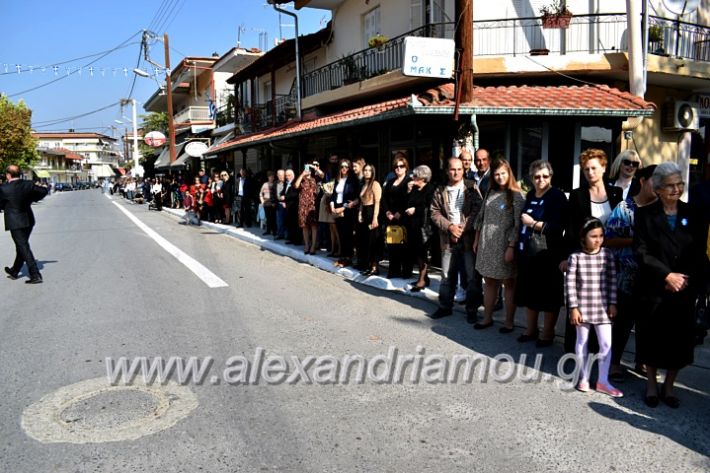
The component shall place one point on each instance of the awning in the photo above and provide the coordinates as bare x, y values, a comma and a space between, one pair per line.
180, 162
41, 173
102, 170
163, 161
223, 139
556, 101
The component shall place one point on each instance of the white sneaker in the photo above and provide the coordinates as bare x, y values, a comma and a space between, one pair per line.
460, 295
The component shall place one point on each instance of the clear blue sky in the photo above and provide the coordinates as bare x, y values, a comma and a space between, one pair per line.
47, 32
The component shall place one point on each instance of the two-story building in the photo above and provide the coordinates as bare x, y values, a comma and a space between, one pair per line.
539, 92
99, 153
203, 103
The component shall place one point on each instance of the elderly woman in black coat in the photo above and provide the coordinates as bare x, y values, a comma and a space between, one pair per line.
671, 259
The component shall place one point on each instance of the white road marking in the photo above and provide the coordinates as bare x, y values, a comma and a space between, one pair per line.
207, 276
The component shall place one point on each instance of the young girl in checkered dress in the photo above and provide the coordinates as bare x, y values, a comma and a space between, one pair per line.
591, 300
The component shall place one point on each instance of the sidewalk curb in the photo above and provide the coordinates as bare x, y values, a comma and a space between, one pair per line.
397, 285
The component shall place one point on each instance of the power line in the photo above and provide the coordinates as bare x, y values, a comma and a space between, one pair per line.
68, 61
70, 73
56, 121
160, 26
158, 14
177, 12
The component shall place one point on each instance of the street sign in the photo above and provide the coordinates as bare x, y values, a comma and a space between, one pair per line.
196, 149
155, 139
428, 57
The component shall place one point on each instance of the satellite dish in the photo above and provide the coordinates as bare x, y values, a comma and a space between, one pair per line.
681, 7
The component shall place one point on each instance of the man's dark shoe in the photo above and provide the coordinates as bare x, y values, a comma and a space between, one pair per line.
10, 273
441, 313
471, 317
34, 280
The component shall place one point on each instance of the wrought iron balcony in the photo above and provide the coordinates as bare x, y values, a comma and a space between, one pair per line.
590, 34
267, 115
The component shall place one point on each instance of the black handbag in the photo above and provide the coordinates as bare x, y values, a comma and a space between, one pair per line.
536, 244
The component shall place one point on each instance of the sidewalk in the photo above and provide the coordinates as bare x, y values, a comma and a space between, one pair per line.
400, 286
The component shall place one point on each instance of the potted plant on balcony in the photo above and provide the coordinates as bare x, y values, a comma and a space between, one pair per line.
655, 39
353, 73
377, 41
556, 15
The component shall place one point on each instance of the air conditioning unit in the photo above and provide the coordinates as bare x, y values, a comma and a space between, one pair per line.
680, 116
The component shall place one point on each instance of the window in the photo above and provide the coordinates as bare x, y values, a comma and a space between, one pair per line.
371, 25
416, 14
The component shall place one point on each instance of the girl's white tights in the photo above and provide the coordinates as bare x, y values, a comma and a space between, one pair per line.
604, 359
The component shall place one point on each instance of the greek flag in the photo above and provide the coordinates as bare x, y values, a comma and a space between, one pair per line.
212, 106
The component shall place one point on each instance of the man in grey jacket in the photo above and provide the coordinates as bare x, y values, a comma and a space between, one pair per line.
453, 211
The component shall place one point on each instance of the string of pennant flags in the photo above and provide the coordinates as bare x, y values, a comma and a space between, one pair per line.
90, 71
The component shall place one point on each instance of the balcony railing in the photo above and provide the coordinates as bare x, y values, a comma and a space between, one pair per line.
369, 62
266, 115
679, 39
591, 34
192, 114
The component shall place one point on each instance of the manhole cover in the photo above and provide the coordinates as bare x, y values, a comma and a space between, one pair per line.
94, 411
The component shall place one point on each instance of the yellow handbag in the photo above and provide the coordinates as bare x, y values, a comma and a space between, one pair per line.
395, 235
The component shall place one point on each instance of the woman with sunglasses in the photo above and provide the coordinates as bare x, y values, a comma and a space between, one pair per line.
539, 287
394, 203
344, 206
623, 172
618, 236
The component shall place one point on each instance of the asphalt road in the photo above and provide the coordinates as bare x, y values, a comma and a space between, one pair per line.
112, 291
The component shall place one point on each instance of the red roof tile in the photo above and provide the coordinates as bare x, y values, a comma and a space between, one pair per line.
589, 100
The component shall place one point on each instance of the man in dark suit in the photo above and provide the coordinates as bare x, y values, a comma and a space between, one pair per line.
16, 197
482, 175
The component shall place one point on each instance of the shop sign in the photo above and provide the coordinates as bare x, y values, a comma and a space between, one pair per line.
428, 57
704, 105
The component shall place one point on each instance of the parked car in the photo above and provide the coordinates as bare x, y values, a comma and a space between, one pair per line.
63, 187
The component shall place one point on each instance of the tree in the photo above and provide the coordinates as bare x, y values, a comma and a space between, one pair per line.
17, 146
154, 121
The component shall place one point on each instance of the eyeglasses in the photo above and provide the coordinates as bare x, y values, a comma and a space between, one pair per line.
673, 186
633, 164
537, 177
344, 166
400, 166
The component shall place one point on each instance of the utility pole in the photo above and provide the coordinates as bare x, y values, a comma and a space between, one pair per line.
137, 170
169, 85
464, 46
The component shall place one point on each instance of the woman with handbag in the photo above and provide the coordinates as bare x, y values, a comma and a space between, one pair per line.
540, 246
394, 203
497, 227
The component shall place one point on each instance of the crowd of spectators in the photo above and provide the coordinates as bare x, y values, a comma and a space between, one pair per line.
619, 252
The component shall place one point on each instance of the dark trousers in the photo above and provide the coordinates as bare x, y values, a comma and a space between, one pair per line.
270, 213
621, 329
280, 221
23, 253
293, 231
346, 229
456, 256
243, 211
